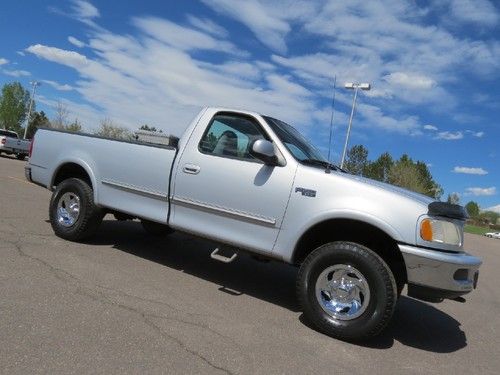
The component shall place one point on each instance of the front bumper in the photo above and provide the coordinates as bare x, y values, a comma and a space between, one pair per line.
434, 275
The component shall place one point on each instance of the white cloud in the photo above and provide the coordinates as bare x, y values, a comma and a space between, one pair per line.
3, 61
450, 136
182, 37
76, 42
16, 73
85, 9
430, 127
470, 170
478, 134
475, 11
410, 80
493, 208
477, 191
207, 25
20, 53
58, 86
61, 56
270, 30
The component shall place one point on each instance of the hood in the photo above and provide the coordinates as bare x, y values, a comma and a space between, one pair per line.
420, 198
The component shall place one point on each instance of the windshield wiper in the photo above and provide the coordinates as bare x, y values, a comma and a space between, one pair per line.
322, 163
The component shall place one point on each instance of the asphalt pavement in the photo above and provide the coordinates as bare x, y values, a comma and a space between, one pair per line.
125, 302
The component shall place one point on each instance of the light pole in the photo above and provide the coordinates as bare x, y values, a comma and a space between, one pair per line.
34, 84
355, 87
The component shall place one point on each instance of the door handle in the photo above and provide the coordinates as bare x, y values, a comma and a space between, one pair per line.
191, 169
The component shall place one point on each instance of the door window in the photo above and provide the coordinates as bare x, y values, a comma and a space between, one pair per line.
231, 136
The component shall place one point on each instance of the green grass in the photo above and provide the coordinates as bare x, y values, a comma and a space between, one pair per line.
477, 230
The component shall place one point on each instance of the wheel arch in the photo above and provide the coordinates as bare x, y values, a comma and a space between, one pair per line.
74, 169
353, 230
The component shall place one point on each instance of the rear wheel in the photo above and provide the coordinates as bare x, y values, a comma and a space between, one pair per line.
20, 156
73, 213
156, 229
347, 291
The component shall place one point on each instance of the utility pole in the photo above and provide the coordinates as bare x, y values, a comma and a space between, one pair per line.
34, 84
355, 87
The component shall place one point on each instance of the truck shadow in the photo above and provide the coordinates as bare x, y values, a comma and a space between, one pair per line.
415, 323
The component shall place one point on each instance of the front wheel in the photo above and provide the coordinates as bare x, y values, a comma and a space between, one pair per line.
73, 213
347, 291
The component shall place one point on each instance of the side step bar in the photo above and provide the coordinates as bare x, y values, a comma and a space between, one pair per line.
223, 258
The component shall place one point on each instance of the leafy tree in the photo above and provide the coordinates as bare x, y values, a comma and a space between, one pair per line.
109, 129
414, 176
472, 209
210, 142
489, 217
14, 102
150, 128
357, 160
379, 169
37, 120
453, 198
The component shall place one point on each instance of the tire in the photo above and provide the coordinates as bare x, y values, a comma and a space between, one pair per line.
370, 280
68, 222
156, 229
20, 156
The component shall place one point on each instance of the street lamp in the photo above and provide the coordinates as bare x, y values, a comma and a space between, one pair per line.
34, 84
355, 87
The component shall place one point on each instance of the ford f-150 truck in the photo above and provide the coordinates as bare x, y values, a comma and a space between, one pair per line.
252, 183
11, 144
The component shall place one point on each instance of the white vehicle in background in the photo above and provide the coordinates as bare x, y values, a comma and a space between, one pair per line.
493, 234
10, 144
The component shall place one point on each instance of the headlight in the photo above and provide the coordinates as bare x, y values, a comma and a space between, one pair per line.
440, 231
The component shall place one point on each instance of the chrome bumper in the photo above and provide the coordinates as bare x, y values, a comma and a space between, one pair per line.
440, 274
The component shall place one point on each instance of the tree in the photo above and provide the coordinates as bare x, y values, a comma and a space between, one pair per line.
60, 119
38, 120
414, 176
472, 209
75, 126
108, 129
453, 198
14, 102
379, 169
357, 160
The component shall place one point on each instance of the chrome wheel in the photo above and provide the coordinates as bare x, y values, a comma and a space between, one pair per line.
68, 209
342, 292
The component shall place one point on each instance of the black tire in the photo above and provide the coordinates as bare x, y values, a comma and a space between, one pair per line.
156, 229
89, 218
379, 278
20, 156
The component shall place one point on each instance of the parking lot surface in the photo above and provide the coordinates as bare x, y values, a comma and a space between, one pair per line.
125, 302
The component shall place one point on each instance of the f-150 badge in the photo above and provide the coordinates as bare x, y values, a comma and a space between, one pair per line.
306, 192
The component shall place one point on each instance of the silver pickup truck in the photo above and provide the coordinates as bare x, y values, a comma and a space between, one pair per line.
252, 183
11, 144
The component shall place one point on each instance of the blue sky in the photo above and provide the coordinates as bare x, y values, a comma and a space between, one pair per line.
434, 68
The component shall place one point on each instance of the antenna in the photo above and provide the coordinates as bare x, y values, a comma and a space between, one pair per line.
331, 118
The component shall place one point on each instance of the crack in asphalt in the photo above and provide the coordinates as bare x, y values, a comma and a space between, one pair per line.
64, 276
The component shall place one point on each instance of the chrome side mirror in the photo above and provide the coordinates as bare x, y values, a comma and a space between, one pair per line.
263, 149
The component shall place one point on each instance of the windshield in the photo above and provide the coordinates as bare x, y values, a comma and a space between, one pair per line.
298, 146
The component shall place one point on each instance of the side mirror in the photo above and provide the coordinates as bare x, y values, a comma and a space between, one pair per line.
263, 149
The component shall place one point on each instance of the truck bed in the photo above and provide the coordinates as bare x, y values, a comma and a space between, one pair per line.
128, 176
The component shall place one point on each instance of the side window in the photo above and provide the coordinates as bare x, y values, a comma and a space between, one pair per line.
230, 136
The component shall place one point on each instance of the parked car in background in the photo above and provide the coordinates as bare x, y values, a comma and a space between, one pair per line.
11, 144
493, 234
253, 183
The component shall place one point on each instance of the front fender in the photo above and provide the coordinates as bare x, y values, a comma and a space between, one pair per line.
290, 235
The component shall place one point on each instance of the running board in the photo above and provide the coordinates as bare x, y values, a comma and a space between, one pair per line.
222, 258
